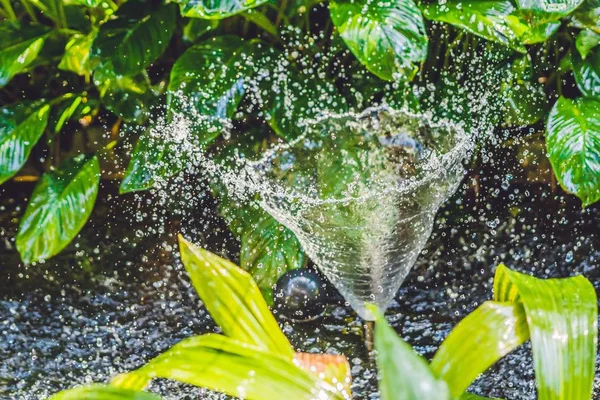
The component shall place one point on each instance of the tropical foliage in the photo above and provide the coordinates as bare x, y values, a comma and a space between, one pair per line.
253, 359
71, 68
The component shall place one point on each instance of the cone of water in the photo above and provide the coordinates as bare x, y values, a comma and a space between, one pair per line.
360, 192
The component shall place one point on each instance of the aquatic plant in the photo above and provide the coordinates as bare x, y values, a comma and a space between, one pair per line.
83, 77
253, 359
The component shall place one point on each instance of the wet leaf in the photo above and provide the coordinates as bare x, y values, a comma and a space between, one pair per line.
471, 396
77, 54
478, 341
587, 15
556, 308
532, 26
388, 38
586, 41
233, 367
487, 19
196, 28
210, 9
21, 126
524, 103
19, 46
268, 250
558, 7
146, 164
333, 369
136, 36
573, 143
587, 72
59, 207
129, 97
233, 300
102, 392
403, 374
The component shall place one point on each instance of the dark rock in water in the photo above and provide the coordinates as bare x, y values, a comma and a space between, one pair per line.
300, 295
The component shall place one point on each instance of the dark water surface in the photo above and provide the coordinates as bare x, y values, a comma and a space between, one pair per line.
118, 295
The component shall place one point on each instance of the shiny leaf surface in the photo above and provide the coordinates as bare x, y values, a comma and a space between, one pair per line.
77, 54
586, 41
478, 341
233, 300
231, 366
21, 126
573, 143
60, 205
559, 7
587, 72
556, 308
19, 46
403, 374
101, 392
216, 9
136, 36
388, 38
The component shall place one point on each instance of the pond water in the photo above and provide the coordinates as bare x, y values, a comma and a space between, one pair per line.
119, 295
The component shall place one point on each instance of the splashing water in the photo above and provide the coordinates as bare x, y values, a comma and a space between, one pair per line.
360, 191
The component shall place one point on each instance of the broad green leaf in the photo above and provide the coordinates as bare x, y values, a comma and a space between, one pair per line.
102, 392
208, 81
485, 336
261, 20
268, 250
587, 72
388, 38
573, 143
487, 19
21, 125
532, 26
562, 315
19, 46
216, 9
559, 7
137, 35
129, 97
403, 374
233, 300
77, 54
587, 15
196, 28
59, 207
146, 164
586, 41
233, 367
471, 396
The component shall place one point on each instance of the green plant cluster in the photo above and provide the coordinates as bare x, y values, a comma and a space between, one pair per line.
254, 360
67, 66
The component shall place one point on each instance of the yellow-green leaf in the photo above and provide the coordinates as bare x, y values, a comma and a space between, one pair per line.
102, 392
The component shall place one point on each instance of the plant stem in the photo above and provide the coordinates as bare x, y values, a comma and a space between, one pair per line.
29, 10
62, 17
10, 12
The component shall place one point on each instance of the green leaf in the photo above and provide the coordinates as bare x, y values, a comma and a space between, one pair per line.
562, 315
77, 54
403, 374
59, 207
196, 28
532, 26
586, 41
587, 72
137, 35
471, 396
485, 336
233, 300
261, 20
210, 9
21, 126
233, 367
147, 163
19, 46
388, 38
268, 250
573, 143
67, 106
587, 15
102, 392
487, 19
559, 7
129, 97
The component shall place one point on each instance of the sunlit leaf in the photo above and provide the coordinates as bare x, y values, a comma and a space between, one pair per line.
136, 36
587, 72
146, 164
102, 392
21, 125
333, 369
59, 207
483, 18
233, 367
586, 41
560, 7
388, 38
77, 54
562, 315
211, 9
478, 341
573, 142
403, 374
233, 300
587, 15
532, 26
19, 46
